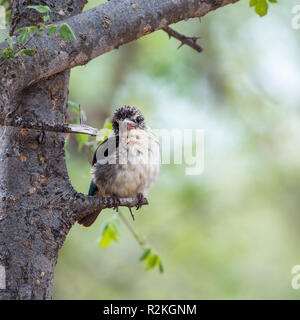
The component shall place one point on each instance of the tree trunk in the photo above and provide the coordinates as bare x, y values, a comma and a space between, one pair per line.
34, 186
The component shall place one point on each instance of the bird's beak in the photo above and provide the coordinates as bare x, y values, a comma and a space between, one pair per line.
130, 124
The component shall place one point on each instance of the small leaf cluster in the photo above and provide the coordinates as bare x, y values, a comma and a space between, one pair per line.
150, 257
261, 6
64, 29
109, 234
105, 132
42, 9
8, 53
25, 34
152, 260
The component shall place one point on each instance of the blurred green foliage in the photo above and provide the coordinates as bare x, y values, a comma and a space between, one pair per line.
109, 233
152, 260
233, 231
261, 6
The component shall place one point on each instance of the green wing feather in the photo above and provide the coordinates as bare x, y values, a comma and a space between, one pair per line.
93, 188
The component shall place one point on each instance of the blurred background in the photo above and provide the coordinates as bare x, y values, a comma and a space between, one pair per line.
233, 231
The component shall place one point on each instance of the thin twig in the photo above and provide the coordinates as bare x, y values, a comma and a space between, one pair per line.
189, 41
132, 215
130, 228
80, 120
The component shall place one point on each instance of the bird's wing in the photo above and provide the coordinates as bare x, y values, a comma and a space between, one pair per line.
93, 188
104, 164
106, 149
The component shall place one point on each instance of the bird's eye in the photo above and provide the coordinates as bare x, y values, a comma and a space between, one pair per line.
139, 119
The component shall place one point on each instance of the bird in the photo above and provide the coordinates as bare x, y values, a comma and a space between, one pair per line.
127, 163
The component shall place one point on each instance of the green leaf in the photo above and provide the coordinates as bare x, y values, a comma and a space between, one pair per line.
103, 135
40, 9
76, 109
3, 54
8, 53
23, 36
38, 31
31, 30
152, 261
17, 31
261, 8
145, 254
161, 267
41, 26
107, 124
109, 233
28, 52
82, 139
75, 121
105, 132
66, 32
46, 18
74, 106
105, 241
52, 29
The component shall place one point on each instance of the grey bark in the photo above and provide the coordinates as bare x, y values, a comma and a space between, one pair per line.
38, 204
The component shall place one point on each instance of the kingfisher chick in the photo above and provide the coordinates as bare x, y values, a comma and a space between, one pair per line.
126, 164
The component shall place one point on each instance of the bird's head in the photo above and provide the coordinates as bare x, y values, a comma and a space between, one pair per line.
129, 118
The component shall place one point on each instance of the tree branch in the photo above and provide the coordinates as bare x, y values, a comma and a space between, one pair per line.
84, 205
98, 31
189, 41
63, 128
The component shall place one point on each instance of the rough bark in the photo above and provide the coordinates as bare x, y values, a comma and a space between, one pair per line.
34, 186
38, 204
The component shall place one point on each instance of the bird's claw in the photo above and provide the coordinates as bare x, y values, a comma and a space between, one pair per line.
116, 203
141, 201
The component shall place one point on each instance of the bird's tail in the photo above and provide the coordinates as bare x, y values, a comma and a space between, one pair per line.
90, 219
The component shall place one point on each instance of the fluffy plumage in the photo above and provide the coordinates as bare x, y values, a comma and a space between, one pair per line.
128, 162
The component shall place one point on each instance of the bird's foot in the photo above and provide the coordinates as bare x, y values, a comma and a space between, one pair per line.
141, 201
116, 202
